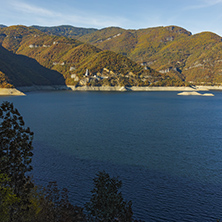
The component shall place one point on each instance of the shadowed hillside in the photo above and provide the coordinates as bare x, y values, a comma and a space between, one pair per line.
19, 70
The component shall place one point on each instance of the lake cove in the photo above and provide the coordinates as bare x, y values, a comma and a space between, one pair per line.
165, 148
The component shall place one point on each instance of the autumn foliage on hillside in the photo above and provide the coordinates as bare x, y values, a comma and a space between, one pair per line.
171, 50
160, 56
71, 57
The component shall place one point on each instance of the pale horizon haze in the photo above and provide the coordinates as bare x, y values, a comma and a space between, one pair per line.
194, 15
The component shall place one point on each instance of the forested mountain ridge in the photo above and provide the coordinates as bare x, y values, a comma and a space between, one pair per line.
80, 63
115, 56
66, 30
171, 50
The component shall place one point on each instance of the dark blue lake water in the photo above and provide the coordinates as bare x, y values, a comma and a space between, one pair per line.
166, 149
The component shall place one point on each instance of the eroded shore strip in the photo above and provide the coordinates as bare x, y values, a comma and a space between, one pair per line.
22, 90
145, 88
10, 92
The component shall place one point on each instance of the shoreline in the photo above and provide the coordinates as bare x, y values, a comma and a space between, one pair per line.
10, 92
18, 91
145, 88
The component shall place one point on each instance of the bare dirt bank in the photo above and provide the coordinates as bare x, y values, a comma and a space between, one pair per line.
98, 88
144, 88
194, 93
42, 88
10, 92
21, 90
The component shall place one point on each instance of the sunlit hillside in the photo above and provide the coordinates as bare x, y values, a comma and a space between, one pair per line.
80, 63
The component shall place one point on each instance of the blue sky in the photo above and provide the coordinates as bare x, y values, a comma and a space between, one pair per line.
194, 15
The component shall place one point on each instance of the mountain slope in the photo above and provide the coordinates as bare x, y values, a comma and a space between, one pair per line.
198, 58
72, 58
134, 43
19, 70
171, 50
11, 37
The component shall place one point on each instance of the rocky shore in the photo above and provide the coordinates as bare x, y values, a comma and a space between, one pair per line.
21, 90
145, 88
42, 88
194, 93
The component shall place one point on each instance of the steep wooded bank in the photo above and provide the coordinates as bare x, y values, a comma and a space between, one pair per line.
79, 63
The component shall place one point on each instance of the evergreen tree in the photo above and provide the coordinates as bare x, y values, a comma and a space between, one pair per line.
106, 203
7, 199
15, 155
54, 206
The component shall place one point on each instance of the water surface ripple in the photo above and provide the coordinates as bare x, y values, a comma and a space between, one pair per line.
166, 149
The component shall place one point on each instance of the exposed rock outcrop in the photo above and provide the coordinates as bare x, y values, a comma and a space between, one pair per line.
194, 93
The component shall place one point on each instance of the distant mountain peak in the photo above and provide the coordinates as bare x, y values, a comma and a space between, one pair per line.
177, 29
65, 30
